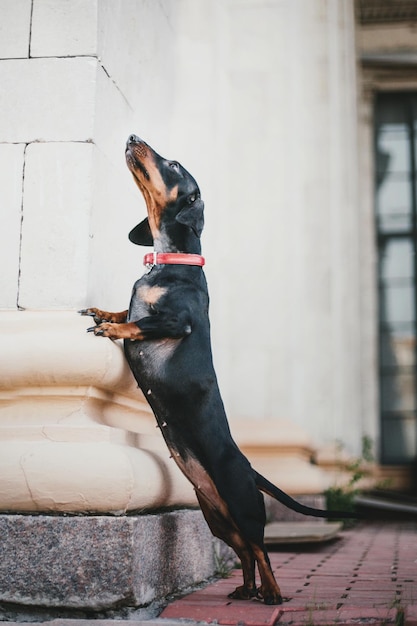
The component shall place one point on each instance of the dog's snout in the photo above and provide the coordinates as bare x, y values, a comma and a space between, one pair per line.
133, 139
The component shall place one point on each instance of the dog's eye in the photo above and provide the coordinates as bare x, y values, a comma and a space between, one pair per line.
191, 199
174, 165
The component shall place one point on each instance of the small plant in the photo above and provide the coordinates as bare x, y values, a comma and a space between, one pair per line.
222, 568
343, 498
224, 559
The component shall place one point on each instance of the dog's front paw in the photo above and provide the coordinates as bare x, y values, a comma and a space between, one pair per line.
103, 329
90, 311
117, 331
93, 312
104, 316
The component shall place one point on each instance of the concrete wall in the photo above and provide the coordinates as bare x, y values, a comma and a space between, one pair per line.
258, 100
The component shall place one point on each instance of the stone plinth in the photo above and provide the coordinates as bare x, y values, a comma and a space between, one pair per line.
76, 435
103, 562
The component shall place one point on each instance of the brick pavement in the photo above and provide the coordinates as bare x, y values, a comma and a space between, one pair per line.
366, 576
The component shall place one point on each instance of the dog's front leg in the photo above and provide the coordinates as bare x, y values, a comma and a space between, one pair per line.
104, 316
159, 326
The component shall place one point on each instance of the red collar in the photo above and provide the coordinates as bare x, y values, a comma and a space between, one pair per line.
172, 258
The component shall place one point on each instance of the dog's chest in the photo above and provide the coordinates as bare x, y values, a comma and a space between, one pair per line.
145, 298
147, 358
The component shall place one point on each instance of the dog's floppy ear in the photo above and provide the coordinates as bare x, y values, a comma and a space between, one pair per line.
141, 234
192, 215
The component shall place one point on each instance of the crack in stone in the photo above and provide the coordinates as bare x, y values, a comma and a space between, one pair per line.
21, 463
19, 271
30, 29
115, 84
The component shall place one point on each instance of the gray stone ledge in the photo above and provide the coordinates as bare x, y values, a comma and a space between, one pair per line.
101, 563
110, 622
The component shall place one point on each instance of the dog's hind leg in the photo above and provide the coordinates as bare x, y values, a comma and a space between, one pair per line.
248, 590
247, 514
226, 530
269, 590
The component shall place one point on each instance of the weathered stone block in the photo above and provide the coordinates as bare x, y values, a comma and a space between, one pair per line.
64, 28
14, 28
99, 563
53, 100
55, 222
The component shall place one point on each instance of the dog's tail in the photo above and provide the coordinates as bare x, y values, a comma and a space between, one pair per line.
267, 487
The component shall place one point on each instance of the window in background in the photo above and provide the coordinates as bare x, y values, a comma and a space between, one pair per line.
396, 217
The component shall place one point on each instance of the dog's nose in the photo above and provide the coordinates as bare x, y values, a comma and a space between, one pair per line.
133, 139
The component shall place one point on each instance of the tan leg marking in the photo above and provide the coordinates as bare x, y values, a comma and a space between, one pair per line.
105, 316
118, 331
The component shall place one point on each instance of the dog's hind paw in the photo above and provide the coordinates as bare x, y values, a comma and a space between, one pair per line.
242, 593
270, 596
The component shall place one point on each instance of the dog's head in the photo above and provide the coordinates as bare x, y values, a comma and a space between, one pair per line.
175, 209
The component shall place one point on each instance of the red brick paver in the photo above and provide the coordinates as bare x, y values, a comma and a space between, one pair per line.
410, 616
367, 576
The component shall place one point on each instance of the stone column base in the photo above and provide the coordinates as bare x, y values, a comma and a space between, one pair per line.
76, 434
282, 452
100, 563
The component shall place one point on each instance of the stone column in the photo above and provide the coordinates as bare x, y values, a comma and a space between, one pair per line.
284, 225
75, 433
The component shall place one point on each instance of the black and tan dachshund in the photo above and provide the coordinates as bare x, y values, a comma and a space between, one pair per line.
166, 334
